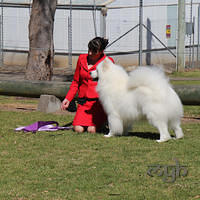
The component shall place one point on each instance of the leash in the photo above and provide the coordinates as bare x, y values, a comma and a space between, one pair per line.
83, 100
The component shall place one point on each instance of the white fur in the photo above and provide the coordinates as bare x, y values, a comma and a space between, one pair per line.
144, 92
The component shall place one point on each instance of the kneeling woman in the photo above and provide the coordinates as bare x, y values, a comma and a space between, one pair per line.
90, 115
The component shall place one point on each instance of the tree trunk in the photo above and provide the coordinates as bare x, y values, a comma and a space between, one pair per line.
189, 94
41, 48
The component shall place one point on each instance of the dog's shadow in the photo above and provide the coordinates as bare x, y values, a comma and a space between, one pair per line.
145, 135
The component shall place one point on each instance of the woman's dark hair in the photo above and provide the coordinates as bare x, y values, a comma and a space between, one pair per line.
97, 44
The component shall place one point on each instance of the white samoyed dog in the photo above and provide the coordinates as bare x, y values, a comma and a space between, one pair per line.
143, 92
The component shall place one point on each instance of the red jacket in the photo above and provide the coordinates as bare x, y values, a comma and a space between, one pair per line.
83, 82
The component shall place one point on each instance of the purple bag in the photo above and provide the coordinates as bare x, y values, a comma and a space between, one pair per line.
43, 126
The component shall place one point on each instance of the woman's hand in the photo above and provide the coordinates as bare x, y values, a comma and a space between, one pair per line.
65, 104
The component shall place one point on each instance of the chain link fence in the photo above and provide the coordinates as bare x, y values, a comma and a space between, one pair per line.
159, 36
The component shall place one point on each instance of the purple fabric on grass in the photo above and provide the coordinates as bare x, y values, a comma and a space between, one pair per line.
42, 126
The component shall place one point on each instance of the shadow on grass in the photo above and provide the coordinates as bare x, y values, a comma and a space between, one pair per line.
62, 132
146, 135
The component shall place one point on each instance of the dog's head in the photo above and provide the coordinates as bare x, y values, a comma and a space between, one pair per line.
102, 67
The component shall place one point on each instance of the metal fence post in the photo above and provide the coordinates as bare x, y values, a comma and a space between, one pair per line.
140, 31
181, 36
1, 36
70, 37
198, 33
0, 43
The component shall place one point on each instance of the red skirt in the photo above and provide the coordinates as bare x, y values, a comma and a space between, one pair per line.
90, 113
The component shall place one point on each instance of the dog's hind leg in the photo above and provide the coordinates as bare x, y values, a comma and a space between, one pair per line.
175, 125
115, 126
164, 134
127, 127
161, 125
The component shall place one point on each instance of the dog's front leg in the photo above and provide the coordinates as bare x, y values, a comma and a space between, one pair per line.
115, 125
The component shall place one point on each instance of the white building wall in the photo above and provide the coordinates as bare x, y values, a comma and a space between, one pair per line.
119, 21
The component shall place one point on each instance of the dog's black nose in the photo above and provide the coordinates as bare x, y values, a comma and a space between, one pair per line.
95, 79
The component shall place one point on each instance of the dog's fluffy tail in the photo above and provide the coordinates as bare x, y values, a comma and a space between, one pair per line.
151, 77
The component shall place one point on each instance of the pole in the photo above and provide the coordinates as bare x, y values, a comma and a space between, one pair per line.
193, 24
140, 31
1, 50
198, 32
103, 22
94, 18
70, 37
181, 36
190, 36
1, 37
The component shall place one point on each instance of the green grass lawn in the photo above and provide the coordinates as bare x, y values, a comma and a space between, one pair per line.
66, 165
187, 74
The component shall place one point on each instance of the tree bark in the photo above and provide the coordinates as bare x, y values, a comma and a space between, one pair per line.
189, 94
41, 47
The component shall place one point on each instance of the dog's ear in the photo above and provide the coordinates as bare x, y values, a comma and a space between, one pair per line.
106, 64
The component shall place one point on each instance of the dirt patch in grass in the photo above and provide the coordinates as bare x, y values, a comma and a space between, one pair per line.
22, 107
187, 119
18, 107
